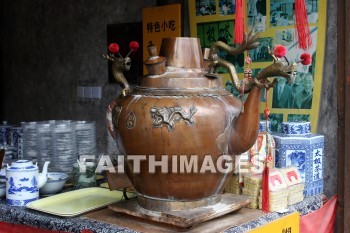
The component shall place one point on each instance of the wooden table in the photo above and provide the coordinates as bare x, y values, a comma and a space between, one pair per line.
106, 220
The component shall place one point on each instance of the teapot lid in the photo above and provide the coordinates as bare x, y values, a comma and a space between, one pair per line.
22, 164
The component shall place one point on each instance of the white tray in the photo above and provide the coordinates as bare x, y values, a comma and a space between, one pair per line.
73, 203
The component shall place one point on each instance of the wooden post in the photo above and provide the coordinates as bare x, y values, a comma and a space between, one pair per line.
343, 105
2, 60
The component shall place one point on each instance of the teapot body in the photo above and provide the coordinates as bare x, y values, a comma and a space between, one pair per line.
22, 183
180, 130
178, 125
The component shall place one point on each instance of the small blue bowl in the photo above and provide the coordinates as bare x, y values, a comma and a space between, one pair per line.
55, 183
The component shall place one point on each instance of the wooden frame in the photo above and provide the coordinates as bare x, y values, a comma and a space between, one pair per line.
271, 33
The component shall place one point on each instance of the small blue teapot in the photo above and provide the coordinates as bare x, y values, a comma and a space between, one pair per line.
23, 182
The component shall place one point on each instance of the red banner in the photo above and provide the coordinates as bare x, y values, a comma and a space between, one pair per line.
321, 220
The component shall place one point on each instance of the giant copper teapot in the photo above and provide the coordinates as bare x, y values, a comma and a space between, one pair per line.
186, 112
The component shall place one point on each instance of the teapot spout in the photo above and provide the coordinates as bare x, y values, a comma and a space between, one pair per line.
43, 175
246, 126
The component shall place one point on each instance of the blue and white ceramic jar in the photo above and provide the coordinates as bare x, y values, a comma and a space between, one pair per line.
262, 126
23, 182
17, 137
5, 133
300, 148
296, 128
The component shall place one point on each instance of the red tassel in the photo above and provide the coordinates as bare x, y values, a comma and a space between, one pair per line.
265, 175
267, 109
239, 22
301, 23
265, 190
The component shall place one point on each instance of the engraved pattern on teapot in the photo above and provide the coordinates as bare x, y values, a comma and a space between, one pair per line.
172, 115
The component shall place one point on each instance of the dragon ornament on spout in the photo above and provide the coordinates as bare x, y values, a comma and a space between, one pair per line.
250, 41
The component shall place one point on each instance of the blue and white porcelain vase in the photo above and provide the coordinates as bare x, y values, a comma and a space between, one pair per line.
300, 148
296, 128
23, 182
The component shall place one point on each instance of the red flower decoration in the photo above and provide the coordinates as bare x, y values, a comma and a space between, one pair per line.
279, 51
113, 48
133, 45
305, 59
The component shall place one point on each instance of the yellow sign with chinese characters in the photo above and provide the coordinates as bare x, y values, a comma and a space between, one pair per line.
158, 23
286, 224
